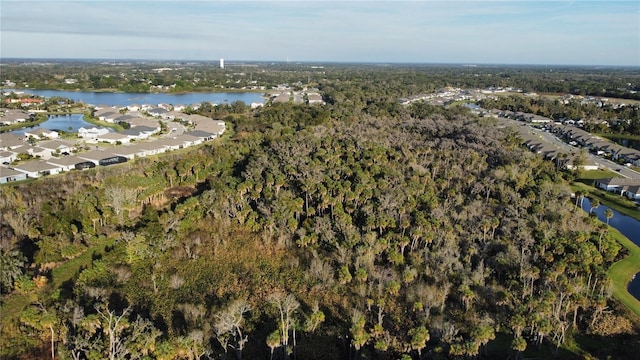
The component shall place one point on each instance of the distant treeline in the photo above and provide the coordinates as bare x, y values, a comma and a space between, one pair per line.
398, 79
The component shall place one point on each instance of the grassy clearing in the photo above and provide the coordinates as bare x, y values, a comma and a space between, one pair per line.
72, 267
15, 303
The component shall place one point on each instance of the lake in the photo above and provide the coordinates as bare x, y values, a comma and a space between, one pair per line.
124, 99
629, 227
73, 122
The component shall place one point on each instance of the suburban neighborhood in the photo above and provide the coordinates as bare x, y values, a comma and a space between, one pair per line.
151, 130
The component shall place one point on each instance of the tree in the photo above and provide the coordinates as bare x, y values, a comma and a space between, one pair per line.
120, 198
519, 345
482, 334
114, 326
608, 214
359, 335
595, 203
11, 263
125, 339
274, 340
229, 324
38, 317
316, 318
286, 305
419, 337
579, 194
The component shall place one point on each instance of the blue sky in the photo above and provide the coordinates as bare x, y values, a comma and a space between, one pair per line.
580, 32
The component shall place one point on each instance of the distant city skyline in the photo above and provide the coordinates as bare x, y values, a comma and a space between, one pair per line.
580, 32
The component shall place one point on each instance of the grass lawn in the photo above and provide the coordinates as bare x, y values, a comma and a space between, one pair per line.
597, 174
622, 271
96, 122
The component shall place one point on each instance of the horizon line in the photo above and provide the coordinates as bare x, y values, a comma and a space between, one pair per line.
231, 62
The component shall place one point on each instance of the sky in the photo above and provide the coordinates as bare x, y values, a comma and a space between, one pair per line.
578, 32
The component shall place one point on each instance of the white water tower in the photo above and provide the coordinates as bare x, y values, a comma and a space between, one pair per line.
221, 63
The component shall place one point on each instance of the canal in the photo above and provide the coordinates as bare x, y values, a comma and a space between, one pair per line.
629, 227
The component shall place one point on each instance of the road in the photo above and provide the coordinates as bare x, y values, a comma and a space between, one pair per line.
564, 147
601, 162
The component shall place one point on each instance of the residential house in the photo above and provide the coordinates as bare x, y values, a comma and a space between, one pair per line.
57, 146
98, 156
34, 151
37, 168
40, 152
151, 148
7, 156
616, 184
10, 141
134, 107
173, 115
41, 134
10, 117
130, 151
189, 140
157, 111
25, 101
628, 155
203, 135
587, 165
66, 163
108, 114
113, 138
633, 192
9, 175
140, 132
314, 98
281, 98
124, 119
537, 119
91, 133
169, 143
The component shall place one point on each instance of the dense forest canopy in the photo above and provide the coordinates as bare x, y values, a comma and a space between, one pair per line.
356, 229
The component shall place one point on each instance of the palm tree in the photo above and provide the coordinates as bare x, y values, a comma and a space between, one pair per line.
595, 203
608, 214
579, 196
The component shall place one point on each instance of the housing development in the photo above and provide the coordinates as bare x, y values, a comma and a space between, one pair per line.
153, 133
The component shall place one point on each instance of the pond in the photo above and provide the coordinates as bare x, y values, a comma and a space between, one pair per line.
629, 227
630, 143
124, 99
68, 123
